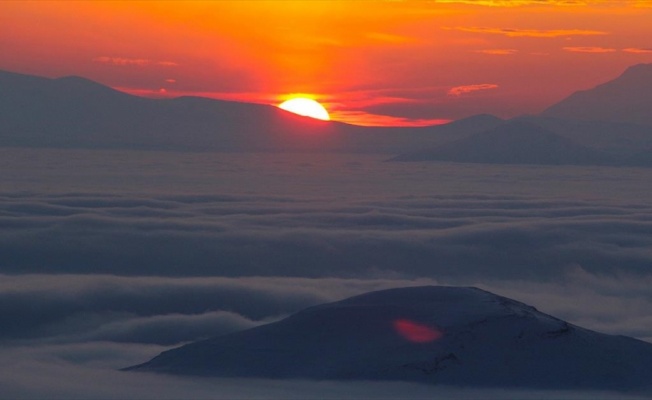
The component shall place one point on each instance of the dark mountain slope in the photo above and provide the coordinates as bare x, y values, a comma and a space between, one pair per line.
515, 142
627, 98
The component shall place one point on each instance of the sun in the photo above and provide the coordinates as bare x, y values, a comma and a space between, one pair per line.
306, 107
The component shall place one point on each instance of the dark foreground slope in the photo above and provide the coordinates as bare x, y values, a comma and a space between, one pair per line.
438, 335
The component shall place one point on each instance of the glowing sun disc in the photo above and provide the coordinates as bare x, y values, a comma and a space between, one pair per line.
306, 107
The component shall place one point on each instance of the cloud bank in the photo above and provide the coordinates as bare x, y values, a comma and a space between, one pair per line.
131, 253
227, 235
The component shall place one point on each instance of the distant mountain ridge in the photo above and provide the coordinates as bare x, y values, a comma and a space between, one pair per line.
609, 125
436, 335
527, 142
74, 112
515, 142
627, 98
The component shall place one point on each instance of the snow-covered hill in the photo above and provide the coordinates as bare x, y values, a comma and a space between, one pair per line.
441, 335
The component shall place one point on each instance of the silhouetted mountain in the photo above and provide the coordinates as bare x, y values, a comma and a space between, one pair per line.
392, 140
618, 138
627, 98
515, 142
76, 112
79, 113
468, 126
438, 335
608, 125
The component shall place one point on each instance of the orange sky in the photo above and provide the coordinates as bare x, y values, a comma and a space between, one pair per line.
369, 62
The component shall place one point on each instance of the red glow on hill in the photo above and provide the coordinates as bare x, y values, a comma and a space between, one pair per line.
415, 332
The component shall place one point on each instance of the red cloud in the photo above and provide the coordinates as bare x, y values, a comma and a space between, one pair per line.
589, 49
511, 32
140, 62
637, 50
460, 90
498, 52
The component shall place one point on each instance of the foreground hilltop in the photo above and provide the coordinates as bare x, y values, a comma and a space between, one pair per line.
440, 335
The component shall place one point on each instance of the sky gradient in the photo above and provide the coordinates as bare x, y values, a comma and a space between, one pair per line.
368, 62
128, 228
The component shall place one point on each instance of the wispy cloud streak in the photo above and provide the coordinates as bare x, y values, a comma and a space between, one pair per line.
465, 89
590, 49
139, 62
520, 3
636, 50
538, 33
498, 52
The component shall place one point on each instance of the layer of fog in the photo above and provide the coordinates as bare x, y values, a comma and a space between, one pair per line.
111, 257
47, 309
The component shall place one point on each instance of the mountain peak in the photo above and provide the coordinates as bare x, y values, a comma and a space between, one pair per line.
639, 70
431, 334
627, 98
452, 305
87, 87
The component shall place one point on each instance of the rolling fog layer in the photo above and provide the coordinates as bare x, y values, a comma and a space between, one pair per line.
109, 257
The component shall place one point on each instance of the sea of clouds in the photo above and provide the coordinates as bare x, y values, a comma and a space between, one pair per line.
109, 257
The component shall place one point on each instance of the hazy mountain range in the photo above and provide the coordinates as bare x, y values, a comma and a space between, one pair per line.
626, 99
431, 334
73, 112
534, 141
608, 125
